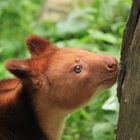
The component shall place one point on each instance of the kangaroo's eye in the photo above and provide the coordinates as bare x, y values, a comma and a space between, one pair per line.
77, 69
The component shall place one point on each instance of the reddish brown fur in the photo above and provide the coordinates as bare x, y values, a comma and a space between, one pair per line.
8, 93
12, 84
47, 89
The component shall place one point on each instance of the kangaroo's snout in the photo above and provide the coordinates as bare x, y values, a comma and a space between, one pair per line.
112, 64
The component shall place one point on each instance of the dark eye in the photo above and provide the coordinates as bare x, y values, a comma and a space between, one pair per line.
77, 69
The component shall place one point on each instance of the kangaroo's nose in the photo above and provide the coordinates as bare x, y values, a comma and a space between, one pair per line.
112, 65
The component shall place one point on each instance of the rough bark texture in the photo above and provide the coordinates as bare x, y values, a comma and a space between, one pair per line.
129, 78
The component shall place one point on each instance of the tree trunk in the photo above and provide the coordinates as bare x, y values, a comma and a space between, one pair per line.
129, 78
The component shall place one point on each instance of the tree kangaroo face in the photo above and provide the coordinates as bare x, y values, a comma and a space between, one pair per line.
69, 76
76, 75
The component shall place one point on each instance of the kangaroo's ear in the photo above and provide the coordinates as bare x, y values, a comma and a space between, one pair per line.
38, 45
20, 68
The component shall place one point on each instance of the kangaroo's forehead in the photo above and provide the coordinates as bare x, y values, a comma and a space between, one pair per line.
65, 59
72, 54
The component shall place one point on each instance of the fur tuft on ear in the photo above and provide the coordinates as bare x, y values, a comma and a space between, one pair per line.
19, 68
37, 45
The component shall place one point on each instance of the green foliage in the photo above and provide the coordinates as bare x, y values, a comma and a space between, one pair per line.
96, 27
17, 19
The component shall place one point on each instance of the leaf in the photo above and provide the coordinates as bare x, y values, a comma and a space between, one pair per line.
101, 36
112, 117
81, 13
78, 20
112, 102
102, 131
71, 26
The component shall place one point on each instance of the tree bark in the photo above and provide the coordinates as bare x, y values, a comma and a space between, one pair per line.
129, 78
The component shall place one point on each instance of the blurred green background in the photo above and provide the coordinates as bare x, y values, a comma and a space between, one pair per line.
95, 26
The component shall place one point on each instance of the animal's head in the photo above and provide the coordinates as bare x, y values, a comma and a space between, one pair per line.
66, 77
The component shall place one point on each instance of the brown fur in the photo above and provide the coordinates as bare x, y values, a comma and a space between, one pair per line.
12, 84
34, 106
8, 93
